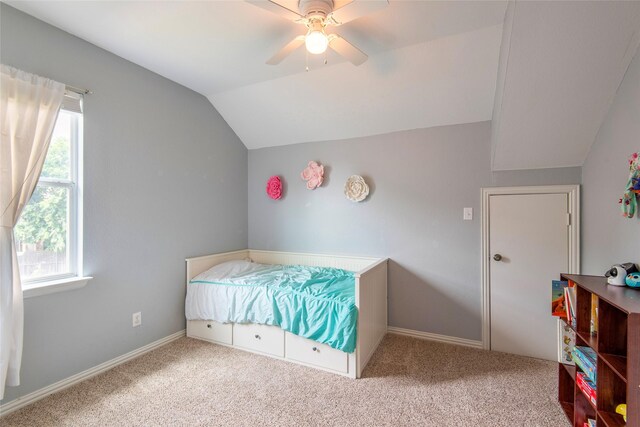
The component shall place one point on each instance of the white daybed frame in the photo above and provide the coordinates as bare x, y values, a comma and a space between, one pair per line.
371, 300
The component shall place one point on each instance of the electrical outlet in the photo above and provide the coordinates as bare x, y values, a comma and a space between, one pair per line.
137, 319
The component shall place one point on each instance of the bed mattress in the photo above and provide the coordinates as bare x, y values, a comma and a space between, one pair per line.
313, 302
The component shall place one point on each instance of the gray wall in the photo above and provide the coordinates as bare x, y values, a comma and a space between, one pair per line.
420, 182
607, 237
552, 176
162, 172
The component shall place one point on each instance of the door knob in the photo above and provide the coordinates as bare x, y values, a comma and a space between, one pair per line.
497, 257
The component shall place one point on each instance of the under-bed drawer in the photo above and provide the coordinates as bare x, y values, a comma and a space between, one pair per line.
210, 330
315, 353
262, 338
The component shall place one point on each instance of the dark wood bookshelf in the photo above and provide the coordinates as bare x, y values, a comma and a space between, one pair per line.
570, 369
610, 419
568, 409
590, 340
617, 346
617, 363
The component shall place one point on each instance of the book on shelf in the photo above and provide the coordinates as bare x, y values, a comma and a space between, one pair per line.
568, 305
567, 344
570, 297
587, 387
593, 326
585, 359
571, 318
558, 305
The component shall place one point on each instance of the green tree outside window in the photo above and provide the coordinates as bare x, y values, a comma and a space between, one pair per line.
44, 220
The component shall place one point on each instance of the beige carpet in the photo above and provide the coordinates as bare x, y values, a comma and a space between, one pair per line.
408, 382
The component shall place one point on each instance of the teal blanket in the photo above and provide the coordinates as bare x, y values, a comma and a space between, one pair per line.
313, 302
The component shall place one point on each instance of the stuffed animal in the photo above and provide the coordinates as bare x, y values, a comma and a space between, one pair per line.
633, 280
628, 201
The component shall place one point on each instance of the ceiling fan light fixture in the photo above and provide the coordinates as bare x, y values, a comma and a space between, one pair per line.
316, 15
316, 42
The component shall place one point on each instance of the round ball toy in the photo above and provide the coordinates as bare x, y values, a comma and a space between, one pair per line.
622, 410
633, 280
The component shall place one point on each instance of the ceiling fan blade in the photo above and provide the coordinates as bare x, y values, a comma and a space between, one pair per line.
347, 50
288, 9
285, 51
345, 10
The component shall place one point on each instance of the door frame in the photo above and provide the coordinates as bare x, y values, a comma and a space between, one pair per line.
573, 193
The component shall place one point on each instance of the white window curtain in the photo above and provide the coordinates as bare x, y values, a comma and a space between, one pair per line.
29, 108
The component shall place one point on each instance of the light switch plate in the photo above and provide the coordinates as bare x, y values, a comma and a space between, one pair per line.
137, 319
467, 214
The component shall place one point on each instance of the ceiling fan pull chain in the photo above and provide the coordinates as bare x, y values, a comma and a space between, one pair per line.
306, 61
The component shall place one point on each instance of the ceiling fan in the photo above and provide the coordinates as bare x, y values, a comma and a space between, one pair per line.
317, 15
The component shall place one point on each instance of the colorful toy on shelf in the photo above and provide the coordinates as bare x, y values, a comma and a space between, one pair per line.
618, 272
633, 280
622, 410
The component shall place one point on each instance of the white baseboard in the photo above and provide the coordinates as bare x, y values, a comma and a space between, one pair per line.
27, 399
435, 337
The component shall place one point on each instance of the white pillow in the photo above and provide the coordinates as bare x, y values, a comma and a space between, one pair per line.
226, 270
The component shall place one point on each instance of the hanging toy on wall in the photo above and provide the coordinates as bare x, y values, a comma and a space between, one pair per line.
629, 200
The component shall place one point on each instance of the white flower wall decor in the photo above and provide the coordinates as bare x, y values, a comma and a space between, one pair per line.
355, 189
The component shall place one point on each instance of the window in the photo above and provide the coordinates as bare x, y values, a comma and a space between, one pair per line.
49, 235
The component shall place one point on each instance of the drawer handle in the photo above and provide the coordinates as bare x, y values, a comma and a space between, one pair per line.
257, 336
209, 325
315, 349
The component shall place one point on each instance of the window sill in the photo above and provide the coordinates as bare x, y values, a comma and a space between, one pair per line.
44, 288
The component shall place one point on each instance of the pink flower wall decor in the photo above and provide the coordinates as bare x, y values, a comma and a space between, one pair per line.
313, 174
274, 187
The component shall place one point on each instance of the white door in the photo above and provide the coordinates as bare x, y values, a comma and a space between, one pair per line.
528, 247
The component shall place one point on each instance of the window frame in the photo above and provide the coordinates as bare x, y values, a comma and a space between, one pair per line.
74, 278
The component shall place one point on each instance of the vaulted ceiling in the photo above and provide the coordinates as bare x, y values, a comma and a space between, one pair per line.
561, 64
544, 72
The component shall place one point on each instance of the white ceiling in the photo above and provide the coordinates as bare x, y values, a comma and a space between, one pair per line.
440, 82
557, 65
212, 46
561, 64
431, 62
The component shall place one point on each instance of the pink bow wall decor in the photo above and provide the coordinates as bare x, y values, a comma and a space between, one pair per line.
313, 174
